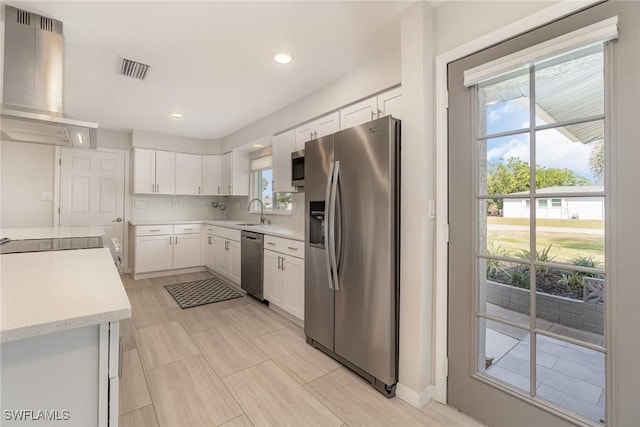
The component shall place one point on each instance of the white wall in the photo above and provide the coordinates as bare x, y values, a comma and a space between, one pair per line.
459, 22
379, 74
180, 144
114, 140
27, 171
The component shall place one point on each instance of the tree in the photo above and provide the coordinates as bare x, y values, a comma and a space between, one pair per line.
596, 160
513, 176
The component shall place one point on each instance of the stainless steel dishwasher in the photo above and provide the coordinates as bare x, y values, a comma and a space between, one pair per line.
251, 264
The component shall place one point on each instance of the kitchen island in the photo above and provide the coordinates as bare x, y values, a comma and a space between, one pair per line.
60, 334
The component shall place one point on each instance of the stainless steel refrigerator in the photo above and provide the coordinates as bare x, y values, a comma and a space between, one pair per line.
352, 188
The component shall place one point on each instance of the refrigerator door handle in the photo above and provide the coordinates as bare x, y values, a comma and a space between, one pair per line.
332, 222
327, 227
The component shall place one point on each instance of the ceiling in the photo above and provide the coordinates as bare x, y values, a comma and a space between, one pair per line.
211, 61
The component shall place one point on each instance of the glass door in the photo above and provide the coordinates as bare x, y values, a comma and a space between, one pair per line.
529, 204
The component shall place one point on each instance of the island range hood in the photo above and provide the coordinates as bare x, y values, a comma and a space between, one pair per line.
32, 87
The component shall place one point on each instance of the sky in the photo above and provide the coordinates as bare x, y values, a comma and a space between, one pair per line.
553, 150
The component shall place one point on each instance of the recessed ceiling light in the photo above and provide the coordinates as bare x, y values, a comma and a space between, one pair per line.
258, 145
177, 115
282, 58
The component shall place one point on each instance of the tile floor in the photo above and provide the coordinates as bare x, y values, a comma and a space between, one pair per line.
568, 375
238, 363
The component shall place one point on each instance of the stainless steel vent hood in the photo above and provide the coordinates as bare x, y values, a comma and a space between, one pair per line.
32, 87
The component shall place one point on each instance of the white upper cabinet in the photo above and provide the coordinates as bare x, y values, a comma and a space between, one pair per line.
281, 148
304, 133
326, 125
389, 102
211, 175
323, 126
188, 174
234, 174
358, 113
153, 172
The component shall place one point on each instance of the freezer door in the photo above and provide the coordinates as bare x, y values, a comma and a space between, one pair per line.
318, 294
366, 229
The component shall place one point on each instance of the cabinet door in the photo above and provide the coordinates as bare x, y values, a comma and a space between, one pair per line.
234, 260
304, 133
327, 125
211, 175
210, 253
390, 103
293, 280
282, 147
272, 277
225, 174
359, 113
221, 257
165, 172
144, 171
188, 174
153, 253
187, 250
239, 173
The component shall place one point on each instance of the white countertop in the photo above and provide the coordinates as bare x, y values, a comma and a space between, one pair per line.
46, 292
285, 231
50, 232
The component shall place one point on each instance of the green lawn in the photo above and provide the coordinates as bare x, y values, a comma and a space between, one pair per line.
565, 223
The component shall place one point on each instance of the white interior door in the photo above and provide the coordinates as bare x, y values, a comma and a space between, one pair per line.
92, 190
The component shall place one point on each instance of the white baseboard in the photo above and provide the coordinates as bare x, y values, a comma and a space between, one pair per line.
413, 398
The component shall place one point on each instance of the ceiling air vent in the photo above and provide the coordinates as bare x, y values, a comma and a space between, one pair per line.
23, 17
46, 24
134, 69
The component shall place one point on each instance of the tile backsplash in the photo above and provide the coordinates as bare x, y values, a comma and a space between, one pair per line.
178, 208
186, 208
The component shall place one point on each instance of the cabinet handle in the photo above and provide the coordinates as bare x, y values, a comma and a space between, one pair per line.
229, 190
379, 113
176, 240
170, 243
218, 189
373, 115
198, 189
209, 240
282, 267
120, 354
279, 258
188, 229
310, 135
292, 248
315, 134
271, 243
153, 231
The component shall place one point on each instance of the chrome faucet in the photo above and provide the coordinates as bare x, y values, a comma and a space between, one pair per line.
263, 219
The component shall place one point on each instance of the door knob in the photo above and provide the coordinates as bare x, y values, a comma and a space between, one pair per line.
117, 220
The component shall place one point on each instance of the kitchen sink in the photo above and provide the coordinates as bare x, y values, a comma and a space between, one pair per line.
249, 224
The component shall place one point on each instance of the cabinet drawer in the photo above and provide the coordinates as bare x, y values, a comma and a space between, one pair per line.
286, 246
186, 228
150, 230
224, 232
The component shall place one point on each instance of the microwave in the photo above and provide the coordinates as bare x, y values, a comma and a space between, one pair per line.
297, 168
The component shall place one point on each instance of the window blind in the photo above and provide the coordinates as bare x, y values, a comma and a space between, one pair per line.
265, 162
599, 32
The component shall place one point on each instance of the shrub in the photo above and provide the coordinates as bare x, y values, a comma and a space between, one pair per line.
494, 267
518, 276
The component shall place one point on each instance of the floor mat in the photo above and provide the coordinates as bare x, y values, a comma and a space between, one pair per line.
201, 292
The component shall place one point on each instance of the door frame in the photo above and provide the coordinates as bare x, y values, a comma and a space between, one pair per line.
127, 198
545, 16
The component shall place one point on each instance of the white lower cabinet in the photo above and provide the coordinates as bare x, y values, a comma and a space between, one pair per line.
65, 378
222, 251
153, 253
284, 275
166, 247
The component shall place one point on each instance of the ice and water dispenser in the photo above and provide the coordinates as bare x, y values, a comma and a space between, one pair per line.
316, 224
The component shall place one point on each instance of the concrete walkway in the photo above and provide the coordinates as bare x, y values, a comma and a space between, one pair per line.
568, 375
